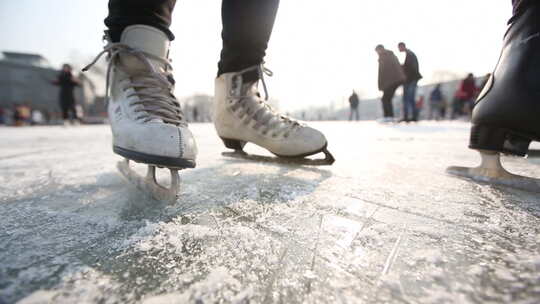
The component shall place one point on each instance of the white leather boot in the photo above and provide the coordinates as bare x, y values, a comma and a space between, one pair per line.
147, 123
241, 116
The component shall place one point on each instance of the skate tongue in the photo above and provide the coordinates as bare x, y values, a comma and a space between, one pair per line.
147, 39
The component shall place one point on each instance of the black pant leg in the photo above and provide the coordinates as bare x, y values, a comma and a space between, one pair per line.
388, 96
384, 101
65, 108
123, 13
247, 26
73, 110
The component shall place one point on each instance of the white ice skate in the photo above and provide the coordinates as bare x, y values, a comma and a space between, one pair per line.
491, 171
241, 116
147, 122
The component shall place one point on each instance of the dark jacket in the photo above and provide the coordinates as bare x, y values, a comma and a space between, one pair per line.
411, 67
67, 84
390, 71
436, 95
354, 100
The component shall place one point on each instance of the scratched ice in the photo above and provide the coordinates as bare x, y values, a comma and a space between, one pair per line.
385, 224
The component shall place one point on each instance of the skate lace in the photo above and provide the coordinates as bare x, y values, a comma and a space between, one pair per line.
153, 89
253, 107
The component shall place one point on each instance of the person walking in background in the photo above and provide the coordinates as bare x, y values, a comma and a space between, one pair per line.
412, 73
195, 114
67, 83
21, 115
391, 76
464, 97
354, 101
437, 106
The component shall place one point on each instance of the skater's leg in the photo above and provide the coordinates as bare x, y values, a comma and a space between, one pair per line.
443, 112
404, 101
386, 102
387, 97
73, 110
241, 115
409, 92
412, 101
391, 101
505, 116
123, 13
147, 121
146, 118
247, 26
65, 110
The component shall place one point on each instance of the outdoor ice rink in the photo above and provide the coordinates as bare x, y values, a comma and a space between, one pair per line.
384, 224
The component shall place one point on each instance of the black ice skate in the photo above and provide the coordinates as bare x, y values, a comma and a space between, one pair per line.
506, 116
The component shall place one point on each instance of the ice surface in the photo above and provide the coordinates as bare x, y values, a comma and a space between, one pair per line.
384, 224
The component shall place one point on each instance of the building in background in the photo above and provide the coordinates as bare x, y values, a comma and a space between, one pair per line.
26, 79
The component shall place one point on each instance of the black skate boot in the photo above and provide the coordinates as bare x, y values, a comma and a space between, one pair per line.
506, 116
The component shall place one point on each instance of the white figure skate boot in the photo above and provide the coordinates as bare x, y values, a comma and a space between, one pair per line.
241, 116
147, 123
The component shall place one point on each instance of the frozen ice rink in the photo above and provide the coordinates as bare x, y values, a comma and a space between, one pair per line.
384, 224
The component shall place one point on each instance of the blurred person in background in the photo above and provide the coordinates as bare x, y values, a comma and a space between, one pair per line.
464, 97
437, 105
390, 77
411, 69
195, 114
354, 101
21, 115
67, 83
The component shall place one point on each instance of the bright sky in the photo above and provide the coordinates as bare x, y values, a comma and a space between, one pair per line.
319, 50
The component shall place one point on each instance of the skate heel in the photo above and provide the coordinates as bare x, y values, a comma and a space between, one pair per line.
237, 145
498, 139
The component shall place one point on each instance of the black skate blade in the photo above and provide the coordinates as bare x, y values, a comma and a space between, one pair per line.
149, 183
301, 161
154, 160
499, 177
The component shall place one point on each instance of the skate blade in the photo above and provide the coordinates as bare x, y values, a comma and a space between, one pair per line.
491, 171
301, 161
149, 183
